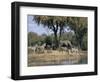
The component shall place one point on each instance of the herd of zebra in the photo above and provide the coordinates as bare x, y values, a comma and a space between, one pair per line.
64, 46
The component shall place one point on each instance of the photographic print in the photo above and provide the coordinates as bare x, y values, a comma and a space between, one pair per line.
53, 40
57, 40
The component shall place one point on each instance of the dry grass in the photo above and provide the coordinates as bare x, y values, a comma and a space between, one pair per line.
54, 58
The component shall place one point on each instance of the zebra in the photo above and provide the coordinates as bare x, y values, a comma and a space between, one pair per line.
40, 49
75, 50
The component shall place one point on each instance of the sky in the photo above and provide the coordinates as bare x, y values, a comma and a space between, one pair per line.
39, 29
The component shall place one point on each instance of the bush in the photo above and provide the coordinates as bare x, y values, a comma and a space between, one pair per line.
48, 40
84, 43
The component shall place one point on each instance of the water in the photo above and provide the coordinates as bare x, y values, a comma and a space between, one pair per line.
64, 62
48, 60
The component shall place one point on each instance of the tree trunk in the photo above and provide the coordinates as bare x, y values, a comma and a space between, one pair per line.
79, 39
56, 39
60, 33
55, 30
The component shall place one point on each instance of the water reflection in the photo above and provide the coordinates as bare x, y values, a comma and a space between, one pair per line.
63, 62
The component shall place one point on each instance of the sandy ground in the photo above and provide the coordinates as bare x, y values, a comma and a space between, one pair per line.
55, 57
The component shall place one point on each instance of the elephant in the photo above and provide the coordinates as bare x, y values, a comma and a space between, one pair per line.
66, 44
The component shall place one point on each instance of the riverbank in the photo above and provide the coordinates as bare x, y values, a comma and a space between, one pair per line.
56, 58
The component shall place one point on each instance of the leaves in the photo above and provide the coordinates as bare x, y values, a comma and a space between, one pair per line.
57, 24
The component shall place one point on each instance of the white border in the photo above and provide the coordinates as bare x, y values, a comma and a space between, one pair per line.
24, 70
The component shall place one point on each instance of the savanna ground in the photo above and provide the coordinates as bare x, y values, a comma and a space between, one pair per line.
56, 58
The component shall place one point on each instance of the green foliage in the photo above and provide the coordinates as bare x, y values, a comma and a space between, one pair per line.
33, 39
48, 40
84, 42
79, 25
58, 24
54, 23
67, 36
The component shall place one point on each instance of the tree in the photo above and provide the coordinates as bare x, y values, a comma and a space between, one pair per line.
84, 42
48, 40
33, 38
54, 23
58, 23
79, 25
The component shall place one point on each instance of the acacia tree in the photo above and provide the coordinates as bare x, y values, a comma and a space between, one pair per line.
57, 24
79, 25
54, 23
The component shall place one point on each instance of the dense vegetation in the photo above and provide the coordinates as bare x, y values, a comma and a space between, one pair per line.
76, 31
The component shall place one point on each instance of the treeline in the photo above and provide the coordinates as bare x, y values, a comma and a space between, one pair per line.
34, 38
58, 24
